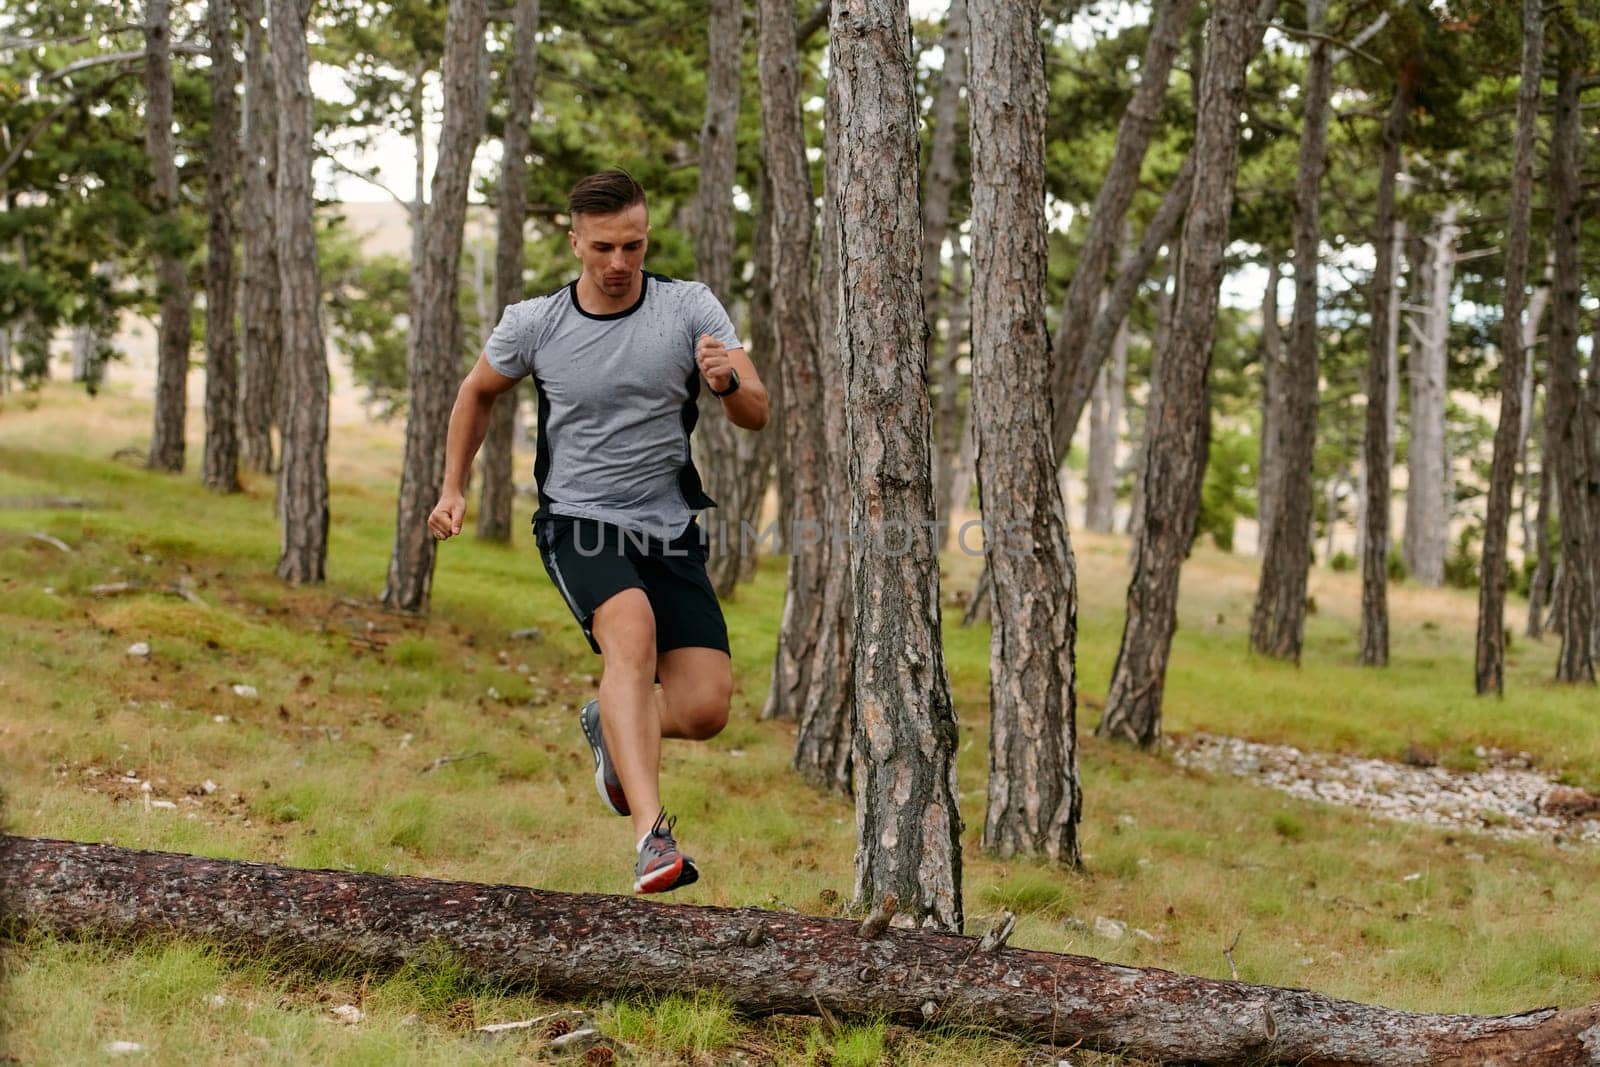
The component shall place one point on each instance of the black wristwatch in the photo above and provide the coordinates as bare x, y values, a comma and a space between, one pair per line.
733, 385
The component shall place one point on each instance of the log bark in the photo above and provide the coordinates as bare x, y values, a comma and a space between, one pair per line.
1378, 450
573, 945
497, 496
1278, 621
1568, 436
1178, 421
436, 360
1490, 657
907, 820
172, 278
303, 475
1427, 530
261, 378
1034, 800
220, 467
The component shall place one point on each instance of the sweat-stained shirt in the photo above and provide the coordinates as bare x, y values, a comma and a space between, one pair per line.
617, 400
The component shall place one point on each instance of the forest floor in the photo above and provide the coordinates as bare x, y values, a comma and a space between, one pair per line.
309, 727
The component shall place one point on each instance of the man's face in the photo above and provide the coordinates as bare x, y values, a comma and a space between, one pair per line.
611, 247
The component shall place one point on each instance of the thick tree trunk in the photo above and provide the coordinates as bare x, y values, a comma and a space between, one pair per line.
303, 474
220, 470
1177, 419
1273, 374
796, 357
498, 494
719, 456
1570, 459
172, 279
1489, 667
950, 418
1105, 419
907, 820
436, 363
1034, 799
1278, 622
1427, 532
1378, 451
572, 945
1073, 373
261, 389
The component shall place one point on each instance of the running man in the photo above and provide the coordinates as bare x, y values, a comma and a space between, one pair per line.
618, 358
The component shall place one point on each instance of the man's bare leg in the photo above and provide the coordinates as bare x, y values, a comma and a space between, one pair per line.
630, 717
696, 685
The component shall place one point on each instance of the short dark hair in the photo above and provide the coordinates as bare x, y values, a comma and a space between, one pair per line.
605, 193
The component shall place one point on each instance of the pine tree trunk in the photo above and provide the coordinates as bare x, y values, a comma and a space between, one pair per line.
1573, 464
1278, 622
436, 364
1489, 667
303, 474
220, 471
907, 820
1427, 531
1273, 373
758, 452
1539, 586
261, 389
498, 494
1034, 800
1105, 417
1177, 420
1526, 509
796, 355
950, 419
1377, 454
1073, 374
941, 176
172, 279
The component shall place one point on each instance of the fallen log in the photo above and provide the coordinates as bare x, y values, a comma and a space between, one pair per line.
581, 945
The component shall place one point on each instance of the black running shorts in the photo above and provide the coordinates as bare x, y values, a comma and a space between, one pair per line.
590, 562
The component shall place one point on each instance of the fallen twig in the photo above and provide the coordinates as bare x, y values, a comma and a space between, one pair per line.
1227, 954
444, 761
53, 542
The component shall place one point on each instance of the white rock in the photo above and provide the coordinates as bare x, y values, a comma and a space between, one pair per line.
347, 1013
246, 691
219, 718
162, 804
121, 1048
141, 649
1110, 929
216, 1000
208, 787
1412, 877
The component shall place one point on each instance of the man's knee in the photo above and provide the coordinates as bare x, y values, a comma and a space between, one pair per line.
625, 629
707, 711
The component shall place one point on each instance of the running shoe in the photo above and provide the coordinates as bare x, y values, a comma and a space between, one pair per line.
606, 782
661, 867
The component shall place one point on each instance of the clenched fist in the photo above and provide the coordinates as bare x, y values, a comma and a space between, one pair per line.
445, 521
715, 367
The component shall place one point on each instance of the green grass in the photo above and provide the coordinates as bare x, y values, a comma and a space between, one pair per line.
329, 766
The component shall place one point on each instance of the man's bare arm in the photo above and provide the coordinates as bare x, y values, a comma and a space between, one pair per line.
469, 422
746, 407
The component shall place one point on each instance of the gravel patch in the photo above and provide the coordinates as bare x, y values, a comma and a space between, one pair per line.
1508, 799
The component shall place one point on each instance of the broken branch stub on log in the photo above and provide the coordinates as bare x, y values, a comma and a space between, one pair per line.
582, 945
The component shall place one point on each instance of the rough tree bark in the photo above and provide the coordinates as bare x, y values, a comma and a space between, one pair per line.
795, 355
172, 279
825, 739
1530, 389
261, 389
1427, 531
1571, 461
1072, 373
1177, 421
572, 945
1273, 372
437, 355
1490, 658
220, 468
1034, 801
1377, 453
303, 474
1278, 621
718, 455
907, 821
1105, 420
498, 493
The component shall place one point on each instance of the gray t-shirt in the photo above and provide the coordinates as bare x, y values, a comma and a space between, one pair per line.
617, 400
